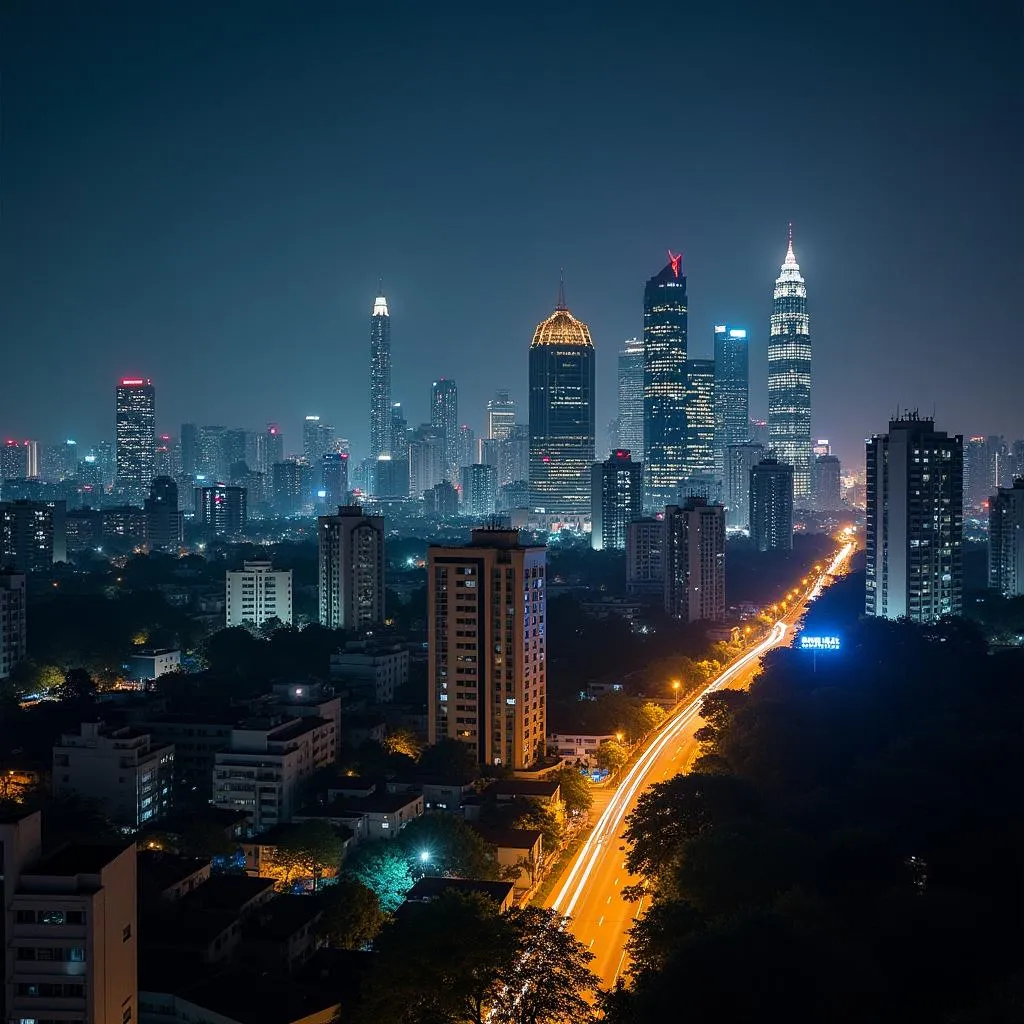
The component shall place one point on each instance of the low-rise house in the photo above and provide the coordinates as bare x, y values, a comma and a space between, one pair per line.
438, 794
430, 888
517, 847
282, 935
166, 877
574, 747
383, 814
542, 790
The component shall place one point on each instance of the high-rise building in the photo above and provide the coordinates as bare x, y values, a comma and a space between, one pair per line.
827, 484
380, 378
317, 441
561, 413
221, 510
426, 459
270, 449
398, 444
514, 456
70, 928
821, 447
1006, 540
789, 375
616, 499
740, 459
289, 483
914, 531
212, 461
257, 593
771, 505
630, 421
479, 491
334, 472
514, 495
13, 461
694, 557
487, 640
189, 449
33, 535
501, 415
164, 527
1017, 459
467, 445
441, 500
645, 556
391, 477
444, 416
665, 384
732, 392
12, 620
135, 415
700, 418
351, 569
759, 432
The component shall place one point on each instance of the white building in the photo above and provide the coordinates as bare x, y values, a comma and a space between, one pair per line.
123, 769
487, 661
12, 621
70, 929
351, 569
1006, 540
695, 561
257, 593
262, 770
153, 664
379, 668
572, 747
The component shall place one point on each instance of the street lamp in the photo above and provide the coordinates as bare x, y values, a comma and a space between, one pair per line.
618, 736
424, 856
675, 687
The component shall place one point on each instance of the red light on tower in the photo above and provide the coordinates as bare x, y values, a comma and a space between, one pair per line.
675, 259
134, 382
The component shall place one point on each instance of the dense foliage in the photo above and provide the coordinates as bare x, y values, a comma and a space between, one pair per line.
850, 847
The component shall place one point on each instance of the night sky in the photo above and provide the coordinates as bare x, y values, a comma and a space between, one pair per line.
206, 193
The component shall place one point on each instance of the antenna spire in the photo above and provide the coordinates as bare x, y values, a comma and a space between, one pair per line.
790, 256
561, 289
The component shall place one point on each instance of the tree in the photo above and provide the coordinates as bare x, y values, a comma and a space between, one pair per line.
648, 717
450, 846
549, 974
448, 759
77, 688
383, 867
403, 741
443, 961
611, 755
352, 916
575, 787
307, 850
236, 653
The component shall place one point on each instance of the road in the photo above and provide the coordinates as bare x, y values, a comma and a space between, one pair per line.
590, 892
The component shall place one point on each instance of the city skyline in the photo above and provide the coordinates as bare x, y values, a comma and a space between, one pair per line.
252, 246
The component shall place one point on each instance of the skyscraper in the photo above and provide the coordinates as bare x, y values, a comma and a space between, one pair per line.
694, 558
334, 472
351, 569
827, 486
164, 528
732, 392
700, 418
914, 533
631, 398
444, 415
616, 499
479, 491
135, 433
380, 378
740, 459
13, 461
501, 415
665, 383
398, 444
222, 510
33, 535
561, 413
190, 449
317, 441
1006, 540
771, 505
487, 639
789, 375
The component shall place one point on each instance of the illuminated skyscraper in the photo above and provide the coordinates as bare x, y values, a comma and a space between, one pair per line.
631, 398
740, 459
616, 499
1006, 540
789, 375
444, 415
732, 392
501, 416
771, 505
694, 558
135, 414
700, 418
561, 413
334, 474
914, 523
380, 378
665, 384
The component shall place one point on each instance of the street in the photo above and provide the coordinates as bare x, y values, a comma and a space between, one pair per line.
590, 892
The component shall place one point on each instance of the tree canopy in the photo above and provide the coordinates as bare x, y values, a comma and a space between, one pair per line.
352, 917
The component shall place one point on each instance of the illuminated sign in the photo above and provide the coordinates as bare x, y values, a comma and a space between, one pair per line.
675, 260
719, 328
818, 643
133, 382
737, 333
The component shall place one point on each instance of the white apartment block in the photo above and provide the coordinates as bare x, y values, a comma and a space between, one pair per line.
487, 635
262, 771
381, 669
69, 930
129, 774
257, 593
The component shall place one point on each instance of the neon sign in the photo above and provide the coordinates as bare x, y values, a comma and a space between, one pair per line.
819, 643
675, 260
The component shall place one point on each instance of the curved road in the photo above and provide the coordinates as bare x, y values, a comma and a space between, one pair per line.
591, 890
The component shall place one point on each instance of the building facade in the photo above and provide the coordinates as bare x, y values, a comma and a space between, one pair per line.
827, 480
1005, 540
487, 639
135, 435
914, 523
789, 375
700, 419
257, 593
33, 535
13, 621
616, 499
501, 415
444, 417
630, 420
351, 569
695, 561
380, 378
645, 557
665, 384
479, 491
222, 510
771, 505
740, 459
732, 392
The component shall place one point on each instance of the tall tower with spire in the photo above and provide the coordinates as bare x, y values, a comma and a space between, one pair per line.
380, 379
561, 413
789, 374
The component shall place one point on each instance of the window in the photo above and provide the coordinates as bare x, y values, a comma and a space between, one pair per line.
51, 917
76, 954
75, 917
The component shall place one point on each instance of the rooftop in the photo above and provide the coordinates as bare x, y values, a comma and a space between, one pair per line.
158, 871
431, 887
522, 787
249, 998
283, 916
227, 892
79, 859
510, 838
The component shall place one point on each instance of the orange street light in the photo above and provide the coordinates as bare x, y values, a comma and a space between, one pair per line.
618, 736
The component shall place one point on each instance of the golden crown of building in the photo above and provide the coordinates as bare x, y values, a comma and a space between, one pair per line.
562, 328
